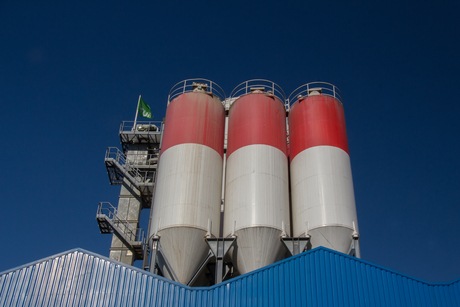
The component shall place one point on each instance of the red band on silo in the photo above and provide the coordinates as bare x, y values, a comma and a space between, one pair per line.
316, 121
257, 119
196, 118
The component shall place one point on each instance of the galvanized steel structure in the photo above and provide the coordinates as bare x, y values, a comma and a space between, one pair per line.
320, 277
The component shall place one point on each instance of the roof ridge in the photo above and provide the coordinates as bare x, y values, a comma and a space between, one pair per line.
320, 249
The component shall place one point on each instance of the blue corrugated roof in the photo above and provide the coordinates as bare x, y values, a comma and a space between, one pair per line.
320, 277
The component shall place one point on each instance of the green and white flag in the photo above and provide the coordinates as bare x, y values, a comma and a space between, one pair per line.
144, 109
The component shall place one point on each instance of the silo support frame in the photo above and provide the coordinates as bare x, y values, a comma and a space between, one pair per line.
298, 245
203, 264
295, 246
158, 260
354, 247
219, 248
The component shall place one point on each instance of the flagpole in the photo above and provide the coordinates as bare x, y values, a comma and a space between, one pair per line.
137, 111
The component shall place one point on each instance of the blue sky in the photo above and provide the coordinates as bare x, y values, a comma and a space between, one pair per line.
71, 71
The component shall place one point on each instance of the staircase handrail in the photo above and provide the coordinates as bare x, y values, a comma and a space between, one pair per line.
118, 155
111, 212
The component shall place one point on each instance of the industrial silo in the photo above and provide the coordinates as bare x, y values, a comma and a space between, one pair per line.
322, 196
257, 182
189, 183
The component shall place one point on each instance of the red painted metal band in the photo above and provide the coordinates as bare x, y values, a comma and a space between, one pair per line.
196, 118
256, 119
316, 121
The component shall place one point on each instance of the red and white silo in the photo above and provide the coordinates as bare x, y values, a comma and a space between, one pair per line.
189, 181
322, 196
257, 182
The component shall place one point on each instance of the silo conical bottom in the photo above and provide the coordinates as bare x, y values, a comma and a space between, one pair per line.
334, 237
256, 247
185, 249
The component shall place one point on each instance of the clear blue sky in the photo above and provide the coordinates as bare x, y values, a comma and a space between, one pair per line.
71, 71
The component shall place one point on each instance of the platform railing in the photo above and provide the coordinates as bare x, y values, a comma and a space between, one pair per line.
196, 85
306, 90
142, 158
131, 233
129, 164
141, 126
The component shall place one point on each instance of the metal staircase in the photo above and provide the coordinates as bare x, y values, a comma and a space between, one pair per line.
110, 221
119, 167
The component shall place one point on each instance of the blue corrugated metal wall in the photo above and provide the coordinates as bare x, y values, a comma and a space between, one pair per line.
320, 277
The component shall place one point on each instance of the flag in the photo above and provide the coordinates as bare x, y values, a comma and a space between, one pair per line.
144, 109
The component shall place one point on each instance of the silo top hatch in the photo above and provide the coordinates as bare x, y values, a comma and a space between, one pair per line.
196, 85
312, 89
258, 86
